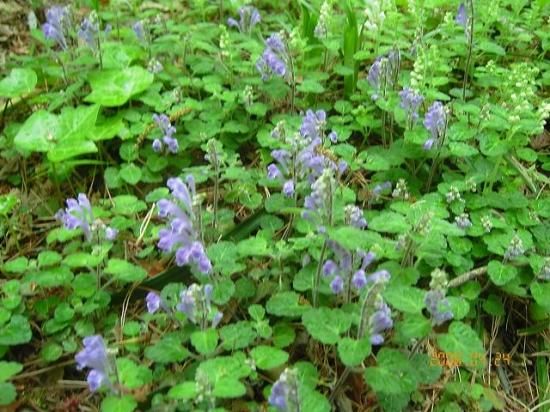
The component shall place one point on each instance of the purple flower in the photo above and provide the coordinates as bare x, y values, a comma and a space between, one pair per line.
195, 303
436, 123
249, 17
168, 139
89, 30
56, 26
94, 356
273, 171
157, 145
96, 379
380, 276
463, 221
284, 392
354, 217
329, 268
380, 188
180, 233
274, 58
462, 15
153, 301
77, 214
337, 285
380, 321
110, 233
288, 188
382, 73
410, 102
438, 306
139, 30
359, 279
333, 137
313, 124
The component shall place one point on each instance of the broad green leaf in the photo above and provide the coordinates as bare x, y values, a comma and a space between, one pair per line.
16, 332
184, 391
394, 373
48, 258
128, 205
254, 246
326, 325
462, 343
285, 304
132, 375
130, 173
38, 133
167, 350
500, 273
541, 293
353, 238
124, 271
114, 87
205, 341
18, 83
113, 403
8, 394
267, 357
51, 352
71, 148
237, 335
389, 222
407, 299
352, 352
7, 204
412, 326
17, 265
9, 369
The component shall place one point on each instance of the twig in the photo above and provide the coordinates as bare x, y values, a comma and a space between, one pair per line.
465, 277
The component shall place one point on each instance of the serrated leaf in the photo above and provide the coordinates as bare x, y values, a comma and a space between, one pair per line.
461, 342
124, 271
130, 173
125, 403
8, 394
326, 325
132, 375
407, 299
9, 369
352, 352
184, 391
168, 350
286, 304
38, 133
19, 82
268, 357
389, 222
112, 88
205, 341
500, 273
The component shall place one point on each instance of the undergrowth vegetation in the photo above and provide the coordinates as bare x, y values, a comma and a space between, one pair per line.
277, 206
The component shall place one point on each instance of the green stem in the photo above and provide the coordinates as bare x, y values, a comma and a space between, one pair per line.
317, 279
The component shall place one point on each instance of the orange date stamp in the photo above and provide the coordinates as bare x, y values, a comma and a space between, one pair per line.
476, 359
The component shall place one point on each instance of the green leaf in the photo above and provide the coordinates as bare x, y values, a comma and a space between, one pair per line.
255, 246
541, 293
389, 222
112, 88
352, 352
8, 394
7, 204
132, 375
352, 238
310, 86
285, 304
51, 352
267, 357
223, 373
125, 403
71, 148
462, 343
393, 375
16, 332
17, 265
167, 350
128, 205
9, 369
130, 173
407, 299
412, 326
184, 391
125, 271
38, 133
48, 258
326, 325
18, 83
205, 341
500, 273
237, 335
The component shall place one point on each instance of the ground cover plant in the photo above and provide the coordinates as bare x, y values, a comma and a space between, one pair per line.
275, 206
